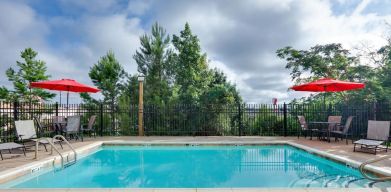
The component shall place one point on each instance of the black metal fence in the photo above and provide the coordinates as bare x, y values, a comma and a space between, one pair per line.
194, 120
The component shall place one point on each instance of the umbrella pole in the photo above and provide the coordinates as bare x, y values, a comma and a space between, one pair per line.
60, 98
324, 96
67, 100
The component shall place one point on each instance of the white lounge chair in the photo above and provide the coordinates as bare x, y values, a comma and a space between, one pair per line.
25, 131
378, 133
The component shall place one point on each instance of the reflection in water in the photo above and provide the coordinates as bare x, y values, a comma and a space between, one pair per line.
202, 166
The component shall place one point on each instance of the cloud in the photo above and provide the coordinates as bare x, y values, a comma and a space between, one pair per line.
116, 33
240, 37
243, 36
20, 27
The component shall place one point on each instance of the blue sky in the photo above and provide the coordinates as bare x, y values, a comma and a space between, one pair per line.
240, 37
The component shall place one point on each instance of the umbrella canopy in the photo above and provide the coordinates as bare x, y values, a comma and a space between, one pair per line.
328, 85
65, 85
68, 85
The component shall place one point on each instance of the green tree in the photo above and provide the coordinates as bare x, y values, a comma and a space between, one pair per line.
154, 60
107, 75
87, 99
4, 93
128, 100
190, 68
129, 94
331, 61
384, 72
220, 91
29, 70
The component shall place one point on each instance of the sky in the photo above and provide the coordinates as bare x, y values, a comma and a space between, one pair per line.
240, 37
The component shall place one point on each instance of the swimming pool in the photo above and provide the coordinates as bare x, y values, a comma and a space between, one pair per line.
280, 166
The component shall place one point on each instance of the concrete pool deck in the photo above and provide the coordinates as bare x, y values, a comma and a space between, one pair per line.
335, 150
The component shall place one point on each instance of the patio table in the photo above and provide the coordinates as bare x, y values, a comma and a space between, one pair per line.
60, 126
328, 130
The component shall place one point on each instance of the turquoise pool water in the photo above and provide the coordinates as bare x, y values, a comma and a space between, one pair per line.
199, 167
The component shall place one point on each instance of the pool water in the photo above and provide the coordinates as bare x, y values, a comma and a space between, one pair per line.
199, 167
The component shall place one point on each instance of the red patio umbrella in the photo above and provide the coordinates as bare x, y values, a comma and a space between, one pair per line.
68, 85
328, 85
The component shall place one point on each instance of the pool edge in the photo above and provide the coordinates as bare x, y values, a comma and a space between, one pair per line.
20, 171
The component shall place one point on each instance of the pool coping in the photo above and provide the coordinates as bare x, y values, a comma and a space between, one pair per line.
14, 173
206, 189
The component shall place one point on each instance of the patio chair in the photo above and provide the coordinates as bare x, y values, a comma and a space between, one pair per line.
334, 122
10, 146
304, 128
59, 123
72, 129
42, 130
342, 131
25, 131
378, 133
90, 127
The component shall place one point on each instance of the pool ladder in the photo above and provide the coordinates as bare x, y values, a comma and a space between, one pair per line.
335, 180
51, 143
362, 166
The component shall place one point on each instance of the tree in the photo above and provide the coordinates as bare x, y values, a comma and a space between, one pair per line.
29, 70
107, 75
331, 61
4, 93
220, 91
129, 94
190, 68
87, 99
384, 74
154, 60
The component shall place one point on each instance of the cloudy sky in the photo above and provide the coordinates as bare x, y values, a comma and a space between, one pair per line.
239, 36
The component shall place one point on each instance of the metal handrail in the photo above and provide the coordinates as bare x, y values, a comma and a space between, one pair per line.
55, 148
52, 146
361, 168
69, 145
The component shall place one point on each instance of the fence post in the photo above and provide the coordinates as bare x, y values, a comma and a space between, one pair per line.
57, 109
16, 110
240, 119
101, 119
285, 120
374, 110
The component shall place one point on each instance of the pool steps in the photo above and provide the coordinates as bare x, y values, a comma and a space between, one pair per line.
337, 181
68, 162
362, 170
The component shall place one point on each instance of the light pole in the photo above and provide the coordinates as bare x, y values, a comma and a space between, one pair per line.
140, 105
